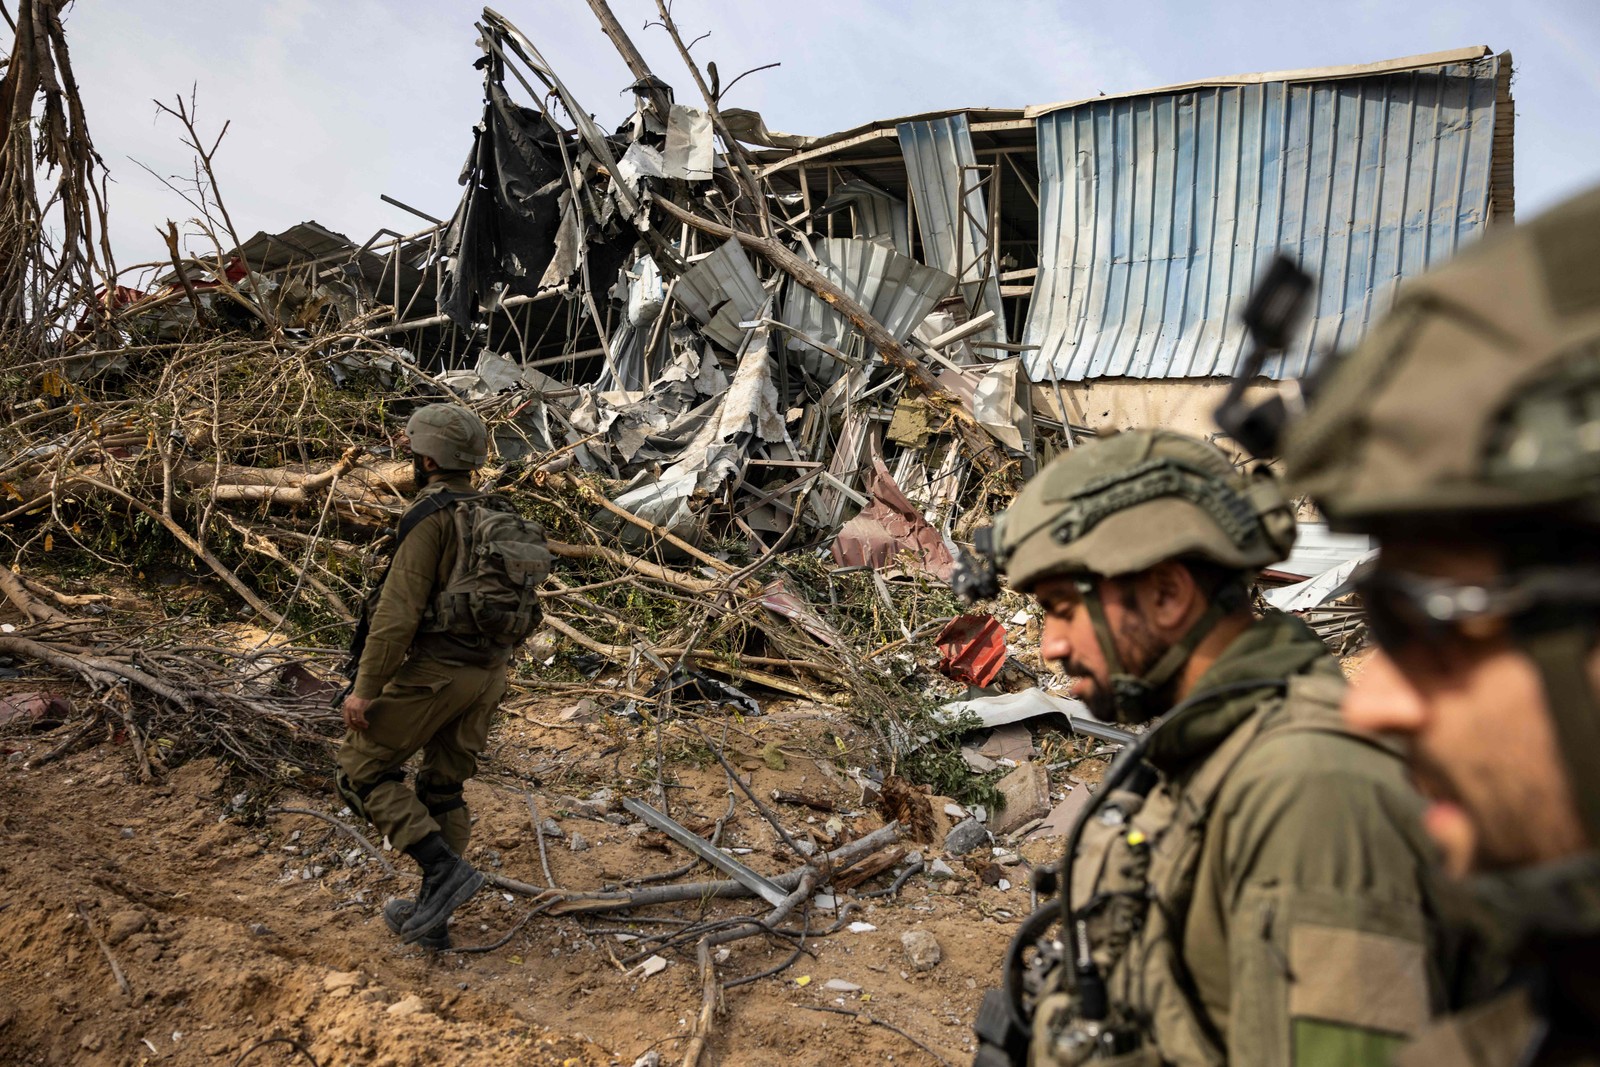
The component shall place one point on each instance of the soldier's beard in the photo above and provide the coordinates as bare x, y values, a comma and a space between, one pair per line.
1138, 648
419, 473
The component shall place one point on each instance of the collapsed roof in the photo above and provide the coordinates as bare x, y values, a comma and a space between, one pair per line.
709, 309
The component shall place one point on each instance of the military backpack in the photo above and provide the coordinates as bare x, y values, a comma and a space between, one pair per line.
501, 560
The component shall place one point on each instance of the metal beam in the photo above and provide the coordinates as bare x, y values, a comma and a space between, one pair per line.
758, 884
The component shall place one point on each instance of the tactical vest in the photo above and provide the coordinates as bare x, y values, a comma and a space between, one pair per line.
1133, 881
488, 603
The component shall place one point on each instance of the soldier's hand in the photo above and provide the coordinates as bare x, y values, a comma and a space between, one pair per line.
355, 712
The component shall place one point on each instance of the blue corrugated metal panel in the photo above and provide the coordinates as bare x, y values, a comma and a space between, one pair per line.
938, 155
1157, 212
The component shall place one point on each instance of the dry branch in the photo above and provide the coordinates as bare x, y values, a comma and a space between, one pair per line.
16, 591
688, 583
709, 660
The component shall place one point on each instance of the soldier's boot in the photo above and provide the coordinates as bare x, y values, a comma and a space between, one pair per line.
448, 881
399, 910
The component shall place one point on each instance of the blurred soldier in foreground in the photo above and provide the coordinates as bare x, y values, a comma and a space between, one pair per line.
430, 663
1250, 883
1464, 433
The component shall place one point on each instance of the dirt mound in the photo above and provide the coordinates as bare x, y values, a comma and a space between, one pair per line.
231, 926
214, 949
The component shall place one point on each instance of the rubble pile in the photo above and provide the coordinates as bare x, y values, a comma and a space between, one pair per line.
722, 409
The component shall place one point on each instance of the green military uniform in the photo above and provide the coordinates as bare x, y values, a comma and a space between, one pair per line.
1267, 902
459, 594
1262, 895
1469, 413
432, 692
1549, 918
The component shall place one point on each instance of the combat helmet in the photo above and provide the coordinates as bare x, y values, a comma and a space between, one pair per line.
1473, 412
450, 435
1119, 505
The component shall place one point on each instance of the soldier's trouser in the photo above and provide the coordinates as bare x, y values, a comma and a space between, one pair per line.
442, 710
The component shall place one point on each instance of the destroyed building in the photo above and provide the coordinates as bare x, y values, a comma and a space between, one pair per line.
1038, 272
718, 353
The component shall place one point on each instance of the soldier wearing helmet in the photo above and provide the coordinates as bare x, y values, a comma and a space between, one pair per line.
1464, 434
418, 689
1250, 883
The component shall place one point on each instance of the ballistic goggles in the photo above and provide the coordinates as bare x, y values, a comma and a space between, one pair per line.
1406, 610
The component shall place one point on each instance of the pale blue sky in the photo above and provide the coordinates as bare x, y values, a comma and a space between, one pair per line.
334, 102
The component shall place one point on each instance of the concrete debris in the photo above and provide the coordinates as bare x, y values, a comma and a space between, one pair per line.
977, 761
651, 967
965, 836
922, 950
1027, 796
1062, 817
1013, 741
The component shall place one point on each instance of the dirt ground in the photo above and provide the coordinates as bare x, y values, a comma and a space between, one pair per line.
178, 922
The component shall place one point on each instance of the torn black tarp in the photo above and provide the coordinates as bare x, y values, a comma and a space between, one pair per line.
504, 230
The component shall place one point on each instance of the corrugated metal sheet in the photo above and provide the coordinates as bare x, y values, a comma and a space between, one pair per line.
897, 291
938, 154
873, 213
1316, 549
721, 291
1158, 211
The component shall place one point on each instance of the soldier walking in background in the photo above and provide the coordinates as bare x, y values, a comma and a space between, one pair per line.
430, 659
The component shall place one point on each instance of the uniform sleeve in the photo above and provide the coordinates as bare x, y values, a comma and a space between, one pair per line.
1327, 918
405, 595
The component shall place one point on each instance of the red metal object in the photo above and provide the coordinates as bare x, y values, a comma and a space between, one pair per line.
891, 528
972, 649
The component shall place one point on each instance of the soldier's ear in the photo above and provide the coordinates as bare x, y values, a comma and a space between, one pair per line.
1169, 596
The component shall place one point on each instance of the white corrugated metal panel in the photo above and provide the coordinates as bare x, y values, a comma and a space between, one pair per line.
1308, 74
938, 155
1316, 549
896, 290
721, 291
1158, 211
874, 213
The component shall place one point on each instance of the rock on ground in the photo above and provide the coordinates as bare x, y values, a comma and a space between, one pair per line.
965, 836
922, 949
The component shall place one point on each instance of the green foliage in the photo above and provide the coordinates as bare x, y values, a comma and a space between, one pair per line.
937, 761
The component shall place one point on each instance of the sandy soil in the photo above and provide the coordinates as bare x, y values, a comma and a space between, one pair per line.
229, 926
